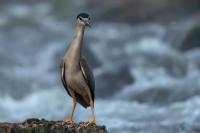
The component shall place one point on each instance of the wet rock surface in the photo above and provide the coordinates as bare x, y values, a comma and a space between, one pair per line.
192, 39
44, 126
136, 11
111, 81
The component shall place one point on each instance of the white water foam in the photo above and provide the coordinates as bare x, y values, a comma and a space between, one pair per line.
115, 114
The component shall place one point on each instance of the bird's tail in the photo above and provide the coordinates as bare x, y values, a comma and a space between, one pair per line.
81, 101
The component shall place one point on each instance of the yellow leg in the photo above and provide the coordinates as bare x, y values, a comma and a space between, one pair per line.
93, 121
70, 119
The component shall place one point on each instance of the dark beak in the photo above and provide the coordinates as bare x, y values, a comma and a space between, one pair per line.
88, 24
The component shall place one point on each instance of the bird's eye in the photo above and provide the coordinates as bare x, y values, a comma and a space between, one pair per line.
80, 18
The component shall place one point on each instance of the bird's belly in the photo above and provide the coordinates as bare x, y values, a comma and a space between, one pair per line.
77, 83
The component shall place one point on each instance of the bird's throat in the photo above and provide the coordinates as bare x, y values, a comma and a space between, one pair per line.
75, 50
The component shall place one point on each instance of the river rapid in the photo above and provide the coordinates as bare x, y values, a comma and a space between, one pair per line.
144, 82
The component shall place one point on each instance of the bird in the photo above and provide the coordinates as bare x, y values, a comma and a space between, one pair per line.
76, 74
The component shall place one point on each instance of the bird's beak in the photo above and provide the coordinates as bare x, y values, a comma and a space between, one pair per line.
88, 24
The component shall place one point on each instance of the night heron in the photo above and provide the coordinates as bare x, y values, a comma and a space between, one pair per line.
76, 74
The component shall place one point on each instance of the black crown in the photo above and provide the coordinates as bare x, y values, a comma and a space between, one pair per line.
83, 15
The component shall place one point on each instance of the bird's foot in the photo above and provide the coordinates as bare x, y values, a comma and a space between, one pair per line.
60, 123
70, 122
93, 122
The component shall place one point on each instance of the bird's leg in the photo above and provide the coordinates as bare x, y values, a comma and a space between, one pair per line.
93, 115
70, 119
93, 121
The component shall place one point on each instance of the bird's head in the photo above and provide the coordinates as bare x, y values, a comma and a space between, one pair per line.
83, 19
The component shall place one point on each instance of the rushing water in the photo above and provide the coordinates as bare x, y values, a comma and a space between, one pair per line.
144, 82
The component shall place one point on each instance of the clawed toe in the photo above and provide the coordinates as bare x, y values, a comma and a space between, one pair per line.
69, 122
93, 122
60, 123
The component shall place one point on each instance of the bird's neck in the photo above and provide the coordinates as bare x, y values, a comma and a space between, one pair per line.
75, 49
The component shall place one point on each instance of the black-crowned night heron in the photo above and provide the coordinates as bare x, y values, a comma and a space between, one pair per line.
76, 74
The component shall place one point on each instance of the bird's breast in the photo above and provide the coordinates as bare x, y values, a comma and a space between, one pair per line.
72, 73
75, 80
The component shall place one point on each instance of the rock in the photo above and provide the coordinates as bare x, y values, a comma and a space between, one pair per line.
135, 11
186, 34
164, 95
91, 57
111, 81
174, 65
192, 38
44, 126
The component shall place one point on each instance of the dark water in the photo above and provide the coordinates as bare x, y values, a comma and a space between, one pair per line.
145, 83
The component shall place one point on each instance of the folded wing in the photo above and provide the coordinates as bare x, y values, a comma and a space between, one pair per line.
88, 76
62, 66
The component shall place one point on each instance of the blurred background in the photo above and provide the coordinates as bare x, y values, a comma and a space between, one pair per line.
145, 56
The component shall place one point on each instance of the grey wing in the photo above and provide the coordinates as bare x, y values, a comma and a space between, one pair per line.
63, 79
88, 76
